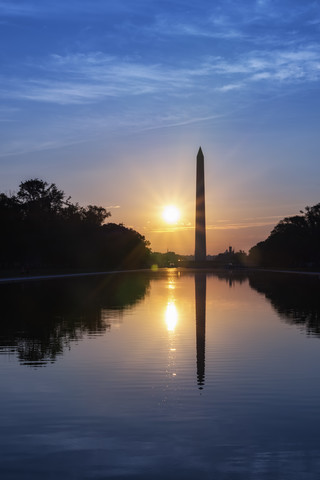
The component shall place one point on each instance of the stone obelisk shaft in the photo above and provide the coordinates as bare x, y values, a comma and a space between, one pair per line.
200, 240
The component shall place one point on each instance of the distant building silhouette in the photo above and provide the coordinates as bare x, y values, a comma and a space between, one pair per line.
200, 234
200, 294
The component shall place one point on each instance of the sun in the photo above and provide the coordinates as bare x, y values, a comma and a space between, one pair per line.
171, 214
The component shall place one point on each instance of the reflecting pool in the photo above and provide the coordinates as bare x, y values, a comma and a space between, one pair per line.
165, 375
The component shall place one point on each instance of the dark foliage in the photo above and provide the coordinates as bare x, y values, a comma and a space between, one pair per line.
294, 297
294, 242
41, 228
231, 258
168, 259
39, 320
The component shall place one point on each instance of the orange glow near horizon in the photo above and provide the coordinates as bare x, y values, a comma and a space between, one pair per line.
229, 221
180, 238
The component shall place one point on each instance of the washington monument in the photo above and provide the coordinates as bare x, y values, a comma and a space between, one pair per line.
200, 240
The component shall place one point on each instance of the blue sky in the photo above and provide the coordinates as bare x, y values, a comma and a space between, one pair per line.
110, 100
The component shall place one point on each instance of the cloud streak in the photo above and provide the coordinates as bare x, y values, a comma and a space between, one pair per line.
253, 223
10, 9
59, 8
297, 64
88, 78
208, 29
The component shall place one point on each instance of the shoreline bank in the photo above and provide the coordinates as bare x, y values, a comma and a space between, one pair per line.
110, 272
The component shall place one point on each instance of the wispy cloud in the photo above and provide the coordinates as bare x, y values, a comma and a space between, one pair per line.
228, 87
210, 28
43, 8
249, 21
87, 78
22, 146
288, 65
249, 222
254, 222
90, 77
177, 121
18, 9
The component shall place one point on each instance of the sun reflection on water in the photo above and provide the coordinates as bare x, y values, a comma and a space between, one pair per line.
171, 316
171, 285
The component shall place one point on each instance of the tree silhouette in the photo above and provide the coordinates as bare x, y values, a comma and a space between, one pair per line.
37, 194
42, 228
39, 320
295, 297
294, 242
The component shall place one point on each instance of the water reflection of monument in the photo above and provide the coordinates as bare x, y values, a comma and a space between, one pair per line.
200, 294
171, 320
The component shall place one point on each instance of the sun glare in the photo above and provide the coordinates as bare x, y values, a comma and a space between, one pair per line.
171, 316
171, 214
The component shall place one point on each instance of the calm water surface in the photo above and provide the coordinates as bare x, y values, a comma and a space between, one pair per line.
173, 375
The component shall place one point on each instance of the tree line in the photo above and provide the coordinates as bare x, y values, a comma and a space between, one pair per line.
294, 242
41, 227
